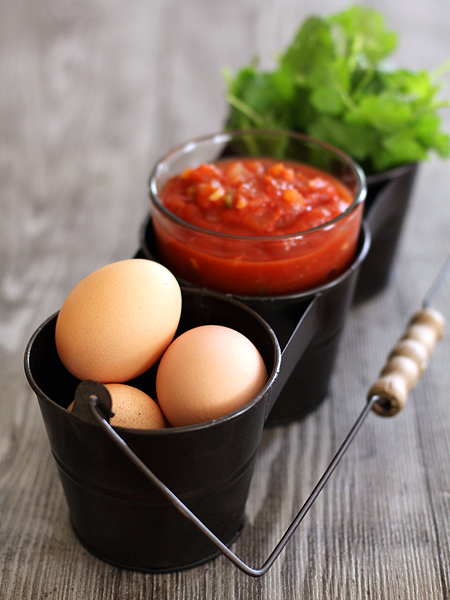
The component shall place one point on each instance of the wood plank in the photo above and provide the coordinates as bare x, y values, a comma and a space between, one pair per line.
91, 94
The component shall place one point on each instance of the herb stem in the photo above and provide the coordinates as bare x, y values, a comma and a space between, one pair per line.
245, 109
440, 70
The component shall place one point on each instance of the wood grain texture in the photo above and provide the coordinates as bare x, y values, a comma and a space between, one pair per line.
91, 94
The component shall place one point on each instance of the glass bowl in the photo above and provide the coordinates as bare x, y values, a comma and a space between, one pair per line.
254, 265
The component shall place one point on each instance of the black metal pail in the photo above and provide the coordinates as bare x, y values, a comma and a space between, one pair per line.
115, 511
385, 208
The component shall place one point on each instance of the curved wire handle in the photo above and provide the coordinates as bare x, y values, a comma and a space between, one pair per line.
387, 399
98, 412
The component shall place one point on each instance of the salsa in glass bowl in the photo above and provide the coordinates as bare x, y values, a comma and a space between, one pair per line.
257, 213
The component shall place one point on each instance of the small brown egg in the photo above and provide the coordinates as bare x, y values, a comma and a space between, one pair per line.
208, 372
133, 408
117, 322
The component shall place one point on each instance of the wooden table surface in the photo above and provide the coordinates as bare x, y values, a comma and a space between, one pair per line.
91, 94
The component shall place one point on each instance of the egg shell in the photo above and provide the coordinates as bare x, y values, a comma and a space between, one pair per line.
116, 323
133, 408
208, 372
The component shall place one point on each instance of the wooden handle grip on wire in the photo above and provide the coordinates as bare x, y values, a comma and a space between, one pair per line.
407, 361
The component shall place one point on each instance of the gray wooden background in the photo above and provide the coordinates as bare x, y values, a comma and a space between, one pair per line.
92, 92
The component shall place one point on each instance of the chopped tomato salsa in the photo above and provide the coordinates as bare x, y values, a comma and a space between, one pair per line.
256, 200
255, 197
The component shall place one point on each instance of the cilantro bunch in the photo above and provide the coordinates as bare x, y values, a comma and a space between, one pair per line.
333, 83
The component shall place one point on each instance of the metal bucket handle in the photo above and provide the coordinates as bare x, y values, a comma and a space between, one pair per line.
93, 403
386, 397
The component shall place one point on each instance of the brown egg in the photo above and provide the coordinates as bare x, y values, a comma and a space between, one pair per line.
133, 408
116, 323
208, 372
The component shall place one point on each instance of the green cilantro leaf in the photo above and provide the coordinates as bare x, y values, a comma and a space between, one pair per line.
332, 82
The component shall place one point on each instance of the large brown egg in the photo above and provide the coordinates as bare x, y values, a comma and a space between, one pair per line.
208, 372
117, 322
